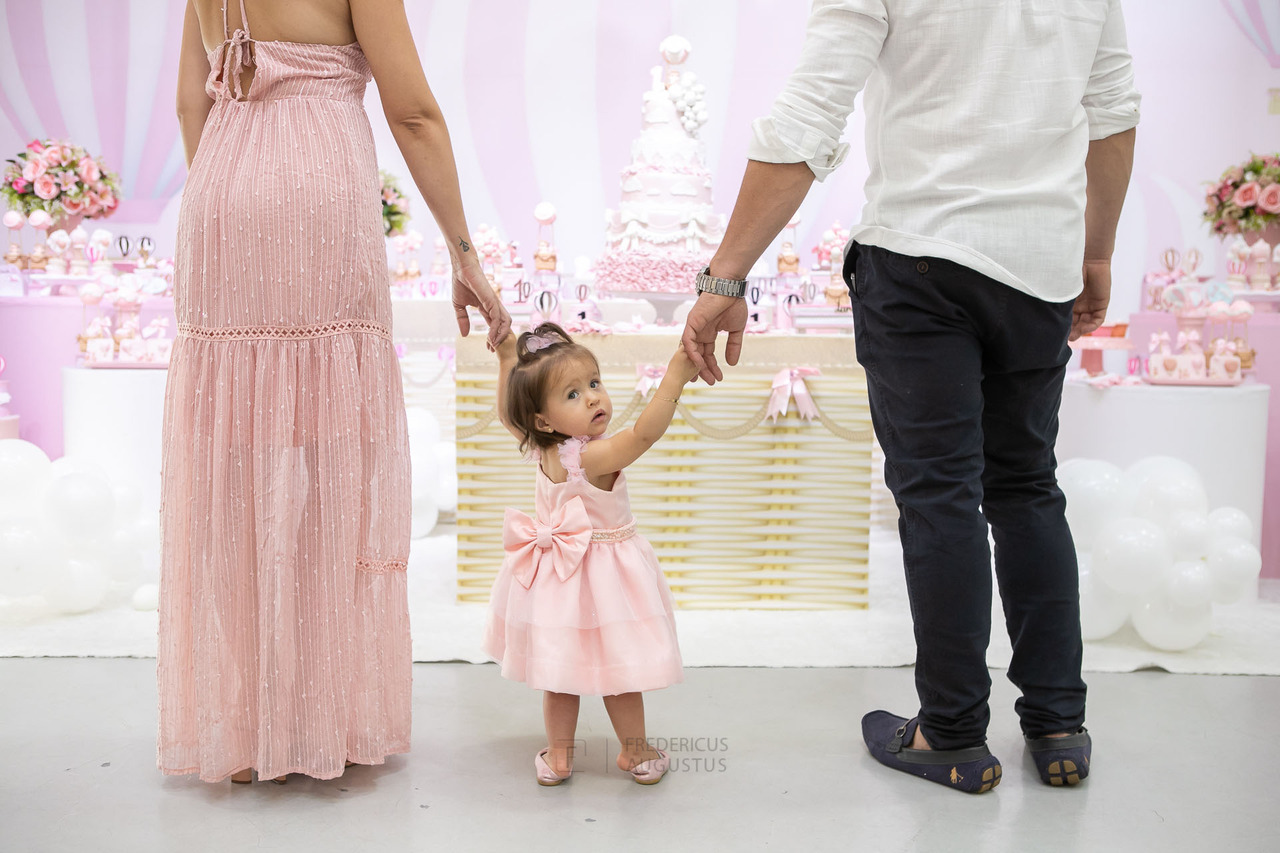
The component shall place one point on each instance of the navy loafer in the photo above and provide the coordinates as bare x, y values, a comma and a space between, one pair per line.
1062, 760
973, 770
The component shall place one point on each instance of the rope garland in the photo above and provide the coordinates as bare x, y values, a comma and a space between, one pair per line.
700, 426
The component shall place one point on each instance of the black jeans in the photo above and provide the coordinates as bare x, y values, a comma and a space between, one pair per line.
964, 376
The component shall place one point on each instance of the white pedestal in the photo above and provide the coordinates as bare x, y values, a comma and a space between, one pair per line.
115, 418
1222, 432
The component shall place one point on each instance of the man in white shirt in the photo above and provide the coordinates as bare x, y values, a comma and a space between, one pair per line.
980, 252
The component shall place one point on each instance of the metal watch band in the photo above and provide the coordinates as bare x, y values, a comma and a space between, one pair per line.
707, 283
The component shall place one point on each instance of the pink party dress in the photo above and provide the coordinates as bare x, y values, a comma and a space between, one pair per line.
284, 626
580, 605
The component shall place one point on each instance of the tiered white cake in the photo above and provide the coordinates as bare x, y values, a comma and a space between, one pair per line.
664, 231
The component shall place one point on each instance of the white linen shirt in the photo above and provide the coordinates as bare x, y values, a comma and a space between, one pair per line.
979, 117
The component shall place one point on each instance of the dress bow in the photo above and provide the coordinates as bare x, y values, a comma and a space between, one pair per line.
533, 546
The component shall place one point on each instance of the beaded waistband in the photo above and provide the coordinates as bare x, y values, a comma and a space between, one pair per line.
284, 333
614, 534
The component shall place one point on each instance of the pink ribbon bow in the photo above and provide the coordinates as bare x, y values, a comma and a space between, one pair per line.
787, 383
534, 547
98, 327
1222, 347
1159, 341
1185, 338
648, 376
449, 354
156, 328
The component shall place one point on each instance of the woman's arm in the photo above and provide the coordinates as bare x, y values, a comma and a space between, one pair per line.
626, 446
420, 131
193, 69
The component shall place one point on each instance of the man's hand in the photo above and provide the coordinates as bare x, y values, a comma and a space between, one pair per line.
471, 288
1091, 305
710, 315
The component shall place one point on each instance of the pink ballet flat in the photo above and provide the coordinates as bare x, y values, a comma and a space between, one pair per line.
546, 776
651, 772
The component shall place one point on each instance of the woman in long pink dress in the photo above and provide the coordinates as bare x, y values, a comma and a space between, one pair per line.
284, 625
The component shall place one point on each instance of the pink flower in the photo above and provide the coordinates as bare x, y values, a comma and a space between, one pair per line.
1234, 175
88, 170
1224, 193
55, 154
35, 146
1269, 199
1270, 162
33, 168
67, 180
73, 206
46, 187
20, 185
1247, 195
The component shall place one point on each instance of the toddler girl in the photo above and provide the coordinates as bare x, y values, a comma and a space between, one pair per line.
580, 606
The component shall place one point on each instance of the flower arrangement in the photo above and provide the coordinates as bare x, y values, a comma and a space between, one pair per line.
60, 179
1246, 198
395, 205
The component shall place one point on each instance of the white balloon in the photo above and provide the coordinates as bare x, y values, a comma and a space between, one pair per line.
1103, 611
1167, 491
21, 546
425, 516
23, 469
1229, 521
146, 597
423, 426
128, 499
76, 586
1169, 627
80, 506
1131, 555
1189, 535
1190, 584
1137, 474
122, 556
76, 465
1092, 488
1235, 565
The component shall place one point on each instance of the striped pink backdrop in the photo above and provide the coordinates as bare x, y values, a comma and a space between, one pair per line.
543, 100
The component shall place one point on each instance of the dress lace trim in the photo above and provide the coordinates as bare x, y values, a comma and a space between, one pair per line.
380, 567
570, 452
284, 333
614, 534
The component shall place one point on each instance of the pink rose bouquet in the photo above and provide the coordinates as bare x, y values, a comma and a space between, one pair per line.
395, 205
60, 179
1246, 198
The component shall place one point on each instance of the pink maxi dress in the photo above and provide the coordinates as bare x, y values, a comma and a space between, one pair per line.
284, 626
580, 605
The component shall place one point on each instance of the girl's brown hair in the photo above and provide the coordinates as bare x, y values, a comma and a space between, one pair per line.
531, 378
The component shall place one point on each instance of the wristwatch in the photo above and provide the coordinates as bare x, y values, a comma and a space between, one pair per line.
707, 283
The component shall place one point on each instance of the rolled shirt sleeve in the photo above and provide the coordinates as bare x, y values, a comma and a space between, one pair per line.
841, 45
1111, 100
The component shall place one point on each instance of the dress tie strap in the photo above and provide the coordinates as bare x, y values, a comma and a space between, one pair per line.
236, 57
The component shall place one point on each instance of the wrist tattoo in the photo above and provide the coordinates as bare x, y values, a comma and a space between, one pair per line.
466, 247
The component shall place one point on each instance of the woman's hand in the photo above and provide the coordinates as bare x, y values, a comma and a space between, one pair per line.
471, 288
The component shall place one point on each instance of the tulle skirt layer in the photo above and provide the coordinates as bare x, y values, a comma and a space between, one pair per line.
607, 629
284, 625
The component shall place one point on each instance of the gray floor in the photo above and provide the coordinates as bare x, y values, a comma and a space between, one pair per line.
768, 759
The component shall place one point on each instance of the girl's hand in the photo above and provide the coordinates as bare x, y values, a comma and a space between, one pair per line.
683, 366
471, 288
507, 348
